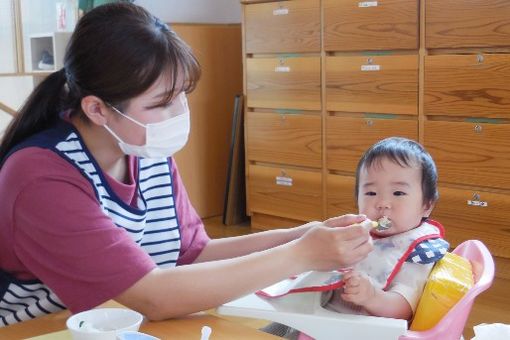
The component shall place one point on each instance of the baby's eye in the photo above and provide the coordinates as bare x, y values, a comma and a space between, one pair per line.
370, 193
399, 193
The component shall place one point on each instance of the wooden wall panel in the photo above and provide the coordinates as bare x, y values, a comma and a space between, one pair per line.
203, 161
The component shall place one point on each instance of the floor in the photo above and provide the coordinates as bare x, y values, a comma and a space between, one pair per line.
492, 306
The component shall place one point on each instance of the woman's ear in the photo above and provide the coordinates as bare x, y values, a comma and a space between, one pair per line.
95, 109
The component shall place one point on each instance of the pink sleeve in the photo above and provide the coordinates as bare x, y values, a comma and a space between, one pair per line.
193, 235
63, 238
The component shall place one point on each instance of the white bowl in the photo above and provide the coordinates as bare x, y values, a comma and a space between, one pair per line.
103, 323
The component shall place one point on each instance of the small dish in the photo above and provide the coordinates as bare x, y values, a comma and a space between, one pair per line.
103, 323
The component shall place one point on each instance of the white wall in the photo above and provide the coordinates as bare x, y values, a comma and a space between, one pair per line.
194, 11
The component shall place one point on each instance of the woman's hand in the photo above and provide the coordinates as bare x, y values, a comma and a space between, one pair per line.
334, 244
357, 289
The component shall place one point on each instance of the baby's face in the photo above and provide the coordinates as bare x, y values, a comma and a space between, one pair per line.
387, 189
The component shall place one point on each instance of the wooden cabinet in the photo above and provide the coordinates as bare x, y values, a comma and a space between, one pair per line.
348, 138
284, 138
283, 26
382, 84
286, 192
470, 153
286, 83
435, 71
473, 85
475, 214
462, 23
370, 25
340, 197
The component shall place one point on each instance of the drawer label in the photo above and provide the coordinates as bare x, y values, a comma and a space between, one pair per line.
477, 203
281, 11
366, 68
365, 4
286, 181
282, 69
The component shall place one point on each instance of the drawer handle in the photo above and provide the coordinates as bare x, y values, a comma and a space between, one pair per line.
365, 4
281, 67
369, 66
370, 122
284, 179
480, 58
478, 128
280, 11
476, 202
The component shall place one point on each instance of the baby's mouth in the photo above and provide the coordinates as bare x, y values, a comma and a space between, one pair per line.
383, 223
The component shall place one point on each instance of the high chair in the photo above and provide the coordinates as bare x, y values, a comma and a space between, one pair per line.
303, 311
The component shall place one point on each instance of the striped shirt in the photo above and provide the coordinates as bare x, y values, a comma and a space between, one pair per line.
95, 237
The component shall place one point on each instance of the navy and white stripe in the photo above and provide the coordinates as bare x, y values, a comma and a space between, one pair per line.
25, 300
153, 224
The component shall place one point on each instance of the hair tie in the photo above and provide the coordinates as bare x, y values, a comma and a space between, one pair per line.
161, 25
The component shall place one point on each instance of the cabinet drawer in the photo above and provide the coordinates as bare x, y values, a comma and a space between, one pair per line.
370, 25
285, 83
461, 23
341, 199
467, 85
348, 138
290, 193
284, 138
464, 217
470, 153
382, 84
283, 26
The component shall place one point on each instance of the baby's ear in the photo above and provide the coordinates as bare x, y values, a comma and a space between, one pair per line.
428, 207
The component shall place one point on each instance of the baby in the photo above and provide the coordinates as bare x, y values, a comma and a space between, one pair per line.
396, 184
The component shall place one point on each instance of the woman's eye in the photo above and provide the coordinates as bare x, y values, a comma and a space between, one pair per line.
370, 193
399, 193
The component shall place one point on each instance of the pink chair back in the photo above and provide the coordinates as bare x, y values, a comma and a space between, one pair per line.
452, 324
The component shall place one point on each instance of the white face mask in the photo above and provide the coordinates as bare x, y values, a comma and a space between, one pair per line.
162, 139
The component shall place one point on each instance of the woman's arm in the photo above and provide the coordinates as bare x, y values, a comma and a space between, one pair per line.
166, 293
230, 247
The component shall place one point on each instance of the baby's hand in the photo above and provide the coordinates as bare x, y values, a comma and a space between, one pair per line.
357, 289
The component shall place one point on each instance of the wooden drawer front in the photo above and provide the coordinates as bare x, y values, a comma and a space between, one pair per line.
382, 25
297, 196
286, 83
467, 85
341, 199
284, 138
354, 84
348, 138
490, 223
461, 23
470, 153
288, 26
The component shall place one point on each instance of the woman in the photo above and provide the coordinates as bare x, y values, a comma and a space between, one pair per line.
93, 207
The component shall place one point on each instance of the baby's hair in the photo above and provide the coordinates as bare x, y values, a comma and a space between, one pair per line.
406, 153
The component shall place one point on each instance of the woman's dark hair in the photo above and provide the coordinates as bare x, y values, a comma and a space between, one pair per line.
116, 52
406, 153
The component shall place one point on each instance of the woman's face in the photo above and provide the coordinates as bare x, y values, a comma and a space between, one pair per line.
388, 189
146, 109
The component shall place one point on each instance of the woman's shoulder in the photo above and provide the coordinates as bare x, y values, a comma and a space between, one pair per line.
33, 163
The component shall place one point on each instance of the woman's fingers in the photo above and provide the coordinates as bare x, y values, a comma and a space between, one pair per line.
344, 220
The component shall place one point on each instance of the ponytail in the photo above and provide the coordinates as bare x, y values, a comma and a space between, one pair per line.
40, 111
